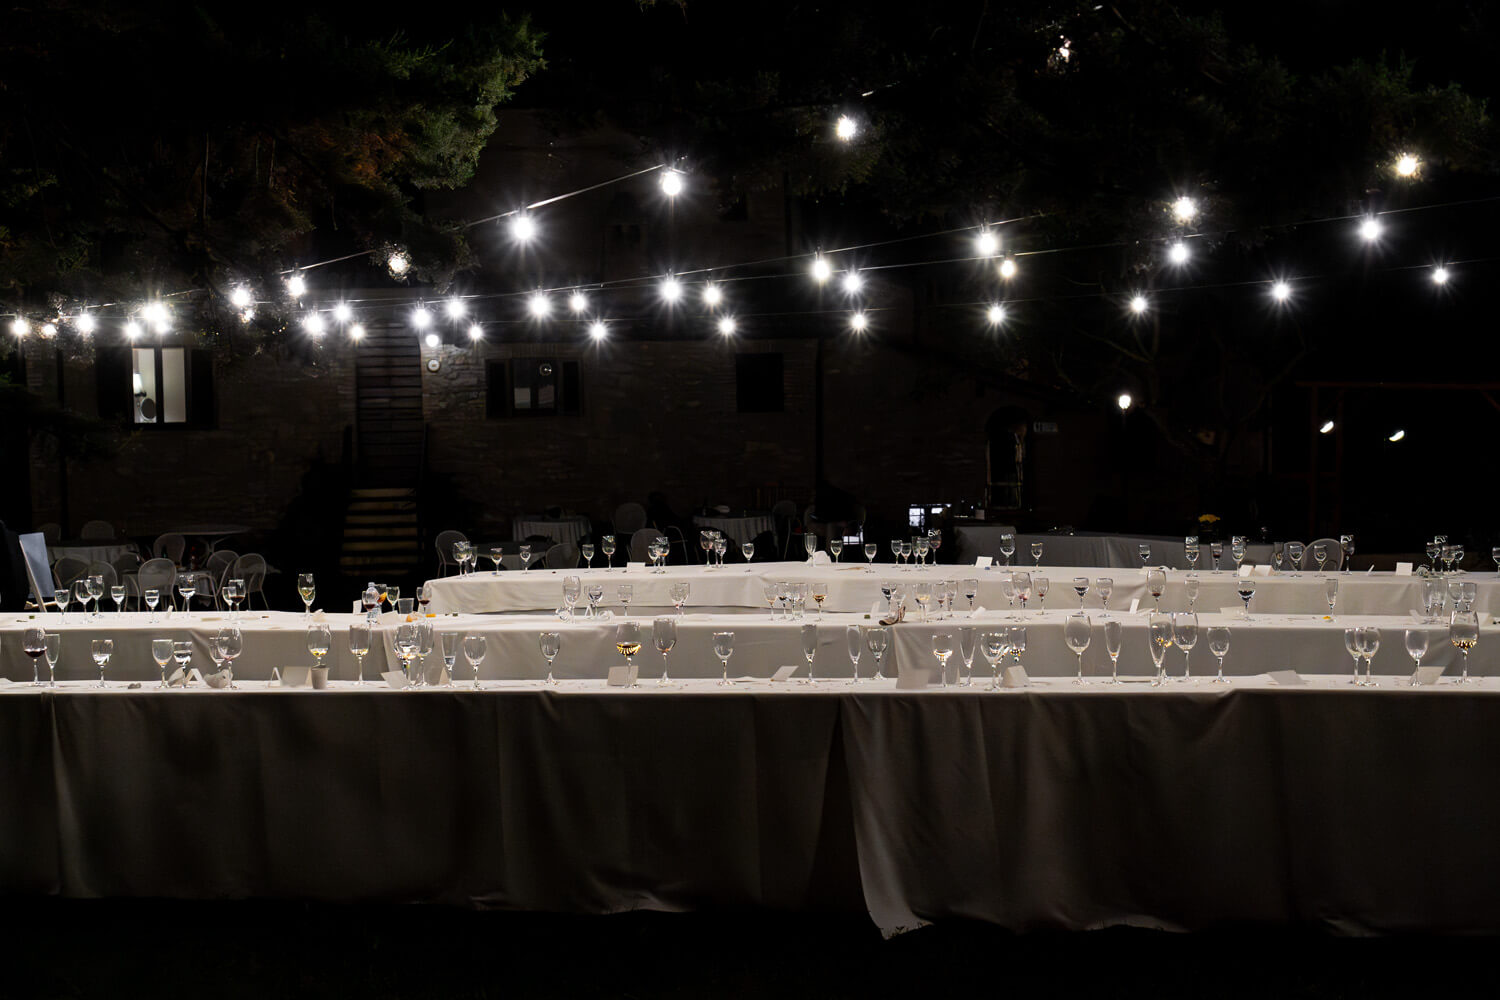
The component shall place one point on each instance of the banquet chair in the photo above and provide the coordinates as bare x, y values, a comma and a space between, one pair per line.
563, 555
444, 543
67, 569
629, 518
1335, 558
640, 543
155, 574
98, 530
126, 564
170, 546
218, 567
51, 532
252, 569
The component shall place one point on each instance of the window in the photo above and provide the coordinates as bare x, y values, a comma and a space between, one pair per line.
759, 383
533, 387
159, 386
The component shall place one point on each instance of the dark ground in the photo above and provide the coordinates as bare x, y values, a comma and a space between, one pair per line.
228, 950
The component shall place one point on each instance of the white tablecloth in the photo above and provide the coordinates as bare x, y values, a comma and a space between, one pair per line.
108, 552
560, 529
737, 530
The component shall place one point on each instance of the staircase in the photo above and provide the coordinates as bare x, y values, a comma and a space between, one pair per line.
382, 535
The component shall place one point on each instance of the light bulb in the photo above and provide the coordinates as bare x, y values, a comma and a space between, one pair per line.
845, 128
313, 323
1281, 291
342, 313
1184, 210
1397, 436
421, 318
1008, 268
296, 286
539, 305
727, 325
995, 314
858, 321
598, 330
19, 326
712, 295
86, 324
240, 298
578, 302
1327, 427
671, 290
1178, 253
1369, 229
356, 331
987, 243
1124, 401
49, 330
433, 340
398, 263
1407, 165
456, 308
1138, 304
853, 282
1440, 276
132, 329
476, 332
522, 228
671, 183
821, 269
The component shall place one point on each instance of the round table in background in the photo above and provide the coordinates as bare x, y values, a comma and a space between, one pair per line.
559, 529
746, 527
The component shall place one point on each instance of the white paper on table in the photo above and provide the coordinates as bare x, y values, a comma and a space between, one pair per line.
358, 607
821, 558
1427, 676
913, 677
296, 677
635, 565
1135, 603
875, 611
1286, 678
784, 672
395, 679
1015, 677
622, 676
985, 562
1402, 569
1246, 569
1262, 571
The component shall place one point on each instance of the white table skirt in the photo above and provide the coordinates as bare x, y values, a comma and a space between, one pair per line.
565, 529
737, 530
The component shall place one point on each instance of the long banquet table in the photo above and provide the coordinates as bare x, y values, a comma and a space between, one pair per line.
1091, 549
1052, 806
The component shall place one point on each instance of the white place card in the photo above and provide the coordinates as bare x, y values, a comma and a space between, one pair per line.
194, 675
176, 679
1015, 677
395, 679
978, 610
1231, 612
1428, 676
784, 672
1261, 571
985, 562
296, 677
1246, 569
1402, 569
359, 607
913, 678
635, 565
622, 676
1286, 678
1135, 603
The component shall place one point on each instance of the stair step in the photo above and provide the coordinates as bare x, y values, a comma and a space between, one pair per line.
363, 492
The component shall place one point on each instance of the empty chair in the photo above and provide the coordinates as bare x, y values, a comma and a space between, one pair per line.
169, 547
155, 574
640, 543
51, 532
629, 518
563, 555
101, 568
218, 567
444, 543
67, 569
252, 569
97, 530
1335, 558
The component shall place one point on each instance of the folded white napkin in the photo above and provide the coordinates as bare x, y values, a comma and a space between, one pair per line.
821, 558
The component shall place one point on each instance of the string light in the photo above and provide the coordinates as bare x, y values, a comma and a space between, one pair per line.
19, 326
476, 332
821, 269
132, 329
1369, 229
296, 286
1400, 435
86, 324
995, 314
1178, 253
1138, 304
853, 282
1124, 402
712, 295
433, 340
240, 297
1184, 210
539, 305
1440, 275
398, 263
342, 313
598, 330
1008, 268
987, 243
1281, 291
357, 331
49, 330
1407, 165
456, 308
247, 315
671, 183
671, 290
522, 228
727, 325
846, 128
313, 323
1327, 427
858, 321
578, 302
421, 317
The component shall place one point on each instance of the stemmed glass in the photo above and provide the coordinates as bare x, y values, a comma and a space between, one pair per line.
319, 642
1104, 586
474, 650
678, 592
810, 650
359, 646
100, 650
1237, 551
1434, 549
448, 642
572, 589
187, 586
877, 639
626, 595
232, 592
1007, 546
1495, 555
1022, 582
905, 552
34, 644
1352, 647
370, 600
182, 652
1466, 594
724, 649
1078, 631
1081, 588
1245, 587
61, 596
920, 545
1008, 591
923, 593
1218, 644
968, 642
550, 644
1369, 644
81, 595
1036, 552
1041, 586
810, 544
663, 547
1190, 588
993, 646
161, 652
1016, 640
771, 592
607, 546
747, 549
664, 633
934, 542
96, 591
1156, 583
1294, 552
463, 554
1190, 550
942, 648
1185, 637
895, 550
1114, 637
424, 649
835, 546
53, 648
424, 596
819, 595
1463, 632
525, 559
971, 591
721, 545
406, 647
628, 642
1458, 558
871, 549
1416, 648
230, 643
1331, 591
706, 542
854, 639
117, 594
587, 551
1346, 546
1320, 555
1160, 633
595, 595
1145, 554
1216, 549
308, 589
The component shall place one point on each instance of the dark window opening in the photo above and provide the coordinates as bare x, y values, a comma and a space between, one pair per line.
759, 383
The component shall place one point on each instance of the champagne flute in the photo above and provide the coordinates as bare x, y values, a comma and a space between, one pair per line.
835, 546
628, 642
871, 549
1416, 648
607, 546
230, 643
1185, 637
1463, 632
1104, 586
968, 643
1036, 552
34, 645
1081, 588
942, 648
448, 643
1078, 632
810, 650
854, 639
724, 649
161, 652
1114, 637
1245, 587
100, 650
1218, 644
52, 649
117, 594
359, 646
308, 589
877, 639
1331, 592
664, 634
474, 650
587, 551
810, 543
1160, 634
550, 643
747, 549
1156, 584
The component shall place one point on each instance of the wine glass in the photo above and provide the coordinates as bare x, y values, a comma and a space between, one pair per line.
895, 549
663, 547
1190, 550
161, 652
706, 542
1237, 551
359, 646
1294, 552
319, 642
1320, 555
474, 650
1369, 644
1104, 586
1216, 549
1160, 634
448, 643
1190, 588
905, 552
230, 643
810, 543
572, 589
942, 648
61, 596
1433, 550
747, 549
1036, 552
664, 634
525, 559
607, 546
1008, 590
721, 545
1145, 554
595, 595
968, 642
1466, 594
1041, 586
1022, 582
1218, 644
871, 549
463, 554
626, 594
993, 647
854, 639
1078, 631
81, 595
923, 594
1458, 558
971, 591
1346, 546
231, 594
1185, 637
1352, 647
1114, 637
369, 599
424, 595
100, 650
587, 551
1245, 587
809, 650
1016, 640
96, 591
424, 649
182, 652
406, 647
117, 594
678, 592
935, 541
308, 589
1007, 546
1463, 632
819, 595
52, 649
1495, 555
1081, 588
550, 644
1156, 583
34, 645
724, 649
877, 639
1331, 592
187, 586
628, 643
1416, 648
835, 546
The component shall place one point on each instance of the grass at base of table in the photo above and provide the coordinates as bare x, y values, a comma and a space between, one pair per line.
82, 948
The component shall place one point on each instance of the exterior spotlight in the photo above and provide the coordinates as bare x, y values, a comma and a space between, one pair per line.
598, 330
342, 313
1281, 291
1369, 229
1440, 276
1407, 165
49, 330
578, 302
132, 329
853, 282
1400, 435
356, 331
421, 317
296, 286
712, 295
1138, 304
846, 128
456, 308
433, 340
987, 243
1008, 268
858, 322
313, 323
476, 332
86, 324
398, 263
671, 290
1178, 253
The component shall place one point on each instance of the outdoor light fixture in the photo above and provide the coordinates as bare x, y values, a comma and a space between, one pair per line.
49, 330
1138, 304
712, 295
846, 128
86, 324
853, 282
398, 263
598, 330
987, 243
1184, 210
313, 323
995, 314
578, 302
1008, 268
1178, 253
456, 308
476, 332
132, 329
727, 325
1399, 435
433, 340
356, 331
421, 318
342, 313
1407, 165
1281, 291
1124, 402
240, 298
539, 305
296, 286
671, 183
671, 290
858, 321
1327, 427
1369, 229
1440, 276
522, 228
821, 269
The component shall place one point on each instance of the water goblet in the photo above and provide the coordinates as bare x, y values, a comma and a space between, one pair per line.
525, 559
1458, 558
1036, 552
1433, 551
1007, 546
942, 648
100, 650
231, 593
724, 649
835, 546
474, 650
628, 643
819, 590
877, 639
1416, 648
161, 652
968, 642
664, 634
747, 549
117, 594
1218, 644
1466, 594
1294, 553
1237, 552
663, 547
871, 549
81, 595
1078, 631
1185, 637
993, 647
359, 647
935, 541
308, 589
1156, 583
854, 639
572, 589
1016, 639
587, 551
187, 586
550, 643
1463, 633
1104, 586
1114, 638
1008, 590
607, 546
921, 545
895, 550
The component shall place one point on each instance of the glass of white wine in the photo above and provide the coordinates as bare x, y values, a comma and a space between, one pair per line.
1463, 632
359, 647
628, 643
308, 589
